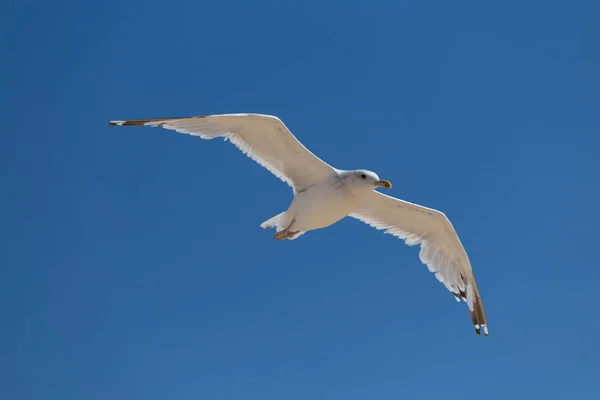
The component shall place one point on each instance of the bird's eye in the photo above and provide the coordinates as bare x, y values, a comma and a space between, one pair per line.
363, 176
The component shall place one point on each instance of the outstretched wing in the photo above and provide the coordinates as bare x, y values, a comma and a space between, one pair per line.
264, 138
441, 249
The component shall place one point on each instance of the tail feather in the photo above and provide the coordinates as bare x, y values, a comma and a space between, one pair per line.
274, 222
281, 221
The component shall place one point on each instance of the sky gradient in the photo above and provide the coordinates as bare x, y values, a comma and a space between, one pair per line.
133, 264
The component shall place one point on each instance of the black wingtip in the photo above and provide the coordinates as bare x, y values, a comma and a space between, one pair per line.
478, 330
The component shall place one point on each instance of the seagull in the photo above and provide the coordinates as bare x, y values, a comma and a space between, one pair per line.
323, 195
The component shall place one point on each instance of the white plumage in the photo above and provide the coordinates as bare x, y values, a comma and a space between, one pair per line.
323, 195
263, 138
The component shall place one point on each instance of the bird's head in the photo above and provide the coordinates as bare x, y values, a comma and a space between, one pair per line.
362, 178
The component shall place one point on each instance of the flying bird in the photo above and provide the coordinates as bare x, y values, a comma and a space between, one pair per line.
324, 195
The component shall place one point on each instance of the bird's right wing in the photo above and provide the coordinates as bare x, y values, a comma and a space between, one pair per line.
441, 249
264, 138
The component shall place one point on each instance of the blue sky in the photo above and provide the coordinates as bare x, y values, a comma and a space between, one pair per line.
130, 270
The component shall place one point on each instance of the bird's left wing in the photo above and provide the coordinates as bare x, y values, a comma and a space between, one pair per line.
441, 249
264, 138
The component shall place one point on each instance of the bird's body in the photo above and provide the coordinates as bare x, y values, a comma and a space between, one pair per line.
323, 195
319, 206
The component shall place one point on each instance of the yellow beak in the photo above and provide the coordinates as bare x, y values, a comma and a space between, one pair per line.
384, 183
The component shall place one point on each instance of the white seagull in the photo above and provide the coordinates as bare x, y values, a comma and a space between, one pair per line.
324, 195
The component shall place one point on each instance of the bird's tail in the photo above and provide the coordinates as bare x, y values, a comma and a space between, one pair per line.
280, 222
275, 222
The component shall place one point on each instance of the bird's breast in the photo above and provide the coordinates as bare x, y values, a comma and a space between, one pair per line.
320, 206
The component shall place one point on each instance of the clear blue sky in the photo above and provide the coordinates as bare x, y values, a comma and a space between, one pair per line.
131, 269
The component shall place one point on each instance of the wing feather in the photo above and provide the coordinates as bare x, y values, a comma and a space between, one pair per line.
263, 138
441, 249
